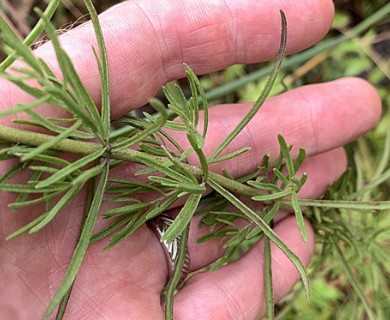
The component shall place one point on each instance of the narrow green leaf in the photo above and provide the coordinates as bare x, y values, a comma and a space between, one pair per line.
22, 188
72, 106
269, 295
264, 94
146, 132
183, 218
345, 204
299, 216
49, 125
196, 83
70, 75
280, 176
272, 212
49, 144
264, 186
230, 155
70, 169
176, 277
110, 229
26, 227
19, 108
46, 169
82, 245
266, 229
152, 212
104, 70
285, 151
162, 207
158, 166
32, 91
178, 101
87, 175
273, 196
176, 126
56, 209
129, 209
178, 166
201, 156
299, 160
20, 204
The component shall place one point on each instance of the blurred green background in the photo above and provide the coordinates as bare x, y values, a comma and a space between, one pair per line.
363, 238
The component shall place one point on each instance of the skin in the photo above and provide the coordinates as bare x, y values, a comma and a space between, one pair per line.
147, 42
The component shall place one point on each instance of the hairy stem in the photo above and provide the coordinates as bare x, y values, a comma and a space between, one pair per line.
82, 147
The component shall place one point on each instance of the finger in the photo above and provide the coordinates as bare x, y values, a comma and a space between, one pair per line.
236, 291
322, 170
147, 42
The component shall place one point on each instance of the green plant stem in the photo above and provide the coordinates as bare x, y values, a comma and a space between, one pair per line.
85, 148
174, 282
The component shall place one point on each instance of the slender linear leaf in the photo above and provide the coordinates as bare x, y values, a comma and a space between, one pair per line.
103, 69
56, 209
196, 83
285, 151
129, 209
273, 196
19, 108
20, 204
82, 245
230, 155
299, 216
183, 218
150, 129
70, 75
266, 229
49, 144
264, 186
110, 229
158, 166
70, 169
269, 295
26, 228
267, 89
176, 277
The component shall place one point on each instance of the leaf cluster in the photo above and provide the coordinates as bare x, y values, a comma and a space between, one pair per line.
239, 212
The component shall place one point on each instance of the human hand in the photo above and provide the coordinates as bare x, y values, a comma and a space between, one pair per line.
147, 42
